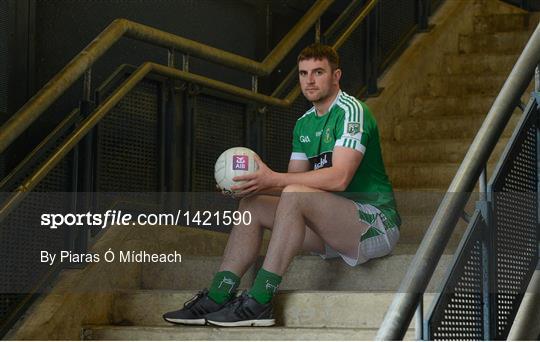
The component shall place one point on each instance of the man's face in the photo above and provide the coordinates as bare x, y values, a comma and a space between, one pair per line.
317, 80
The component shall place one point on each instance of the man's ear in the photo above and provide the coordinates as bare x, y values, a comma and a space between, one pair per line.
337, 75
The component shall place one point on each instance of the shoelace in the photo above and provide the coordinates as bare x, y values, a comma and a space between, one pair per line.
238, 301
194, 300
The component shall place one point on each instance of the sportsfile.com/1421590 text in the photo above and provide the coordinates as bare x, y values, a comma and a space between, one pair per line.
117, 218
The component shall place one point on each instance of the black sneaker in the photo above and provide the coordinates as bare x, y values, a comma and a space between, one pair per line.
194, 310
243, 311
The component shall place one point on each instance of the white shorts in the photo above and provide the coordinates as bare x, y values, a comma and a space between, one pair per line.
379, 240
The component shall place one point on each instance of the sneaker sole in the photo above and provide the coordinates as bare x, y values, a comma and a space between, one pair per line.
250, 323
200, 321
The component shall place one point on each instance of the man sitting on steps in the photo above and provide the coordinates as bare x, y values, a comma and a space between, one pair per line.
336, 201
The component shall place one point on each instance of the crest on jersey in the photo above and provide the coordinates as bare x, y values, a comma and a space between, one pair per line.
353, 127
327, 137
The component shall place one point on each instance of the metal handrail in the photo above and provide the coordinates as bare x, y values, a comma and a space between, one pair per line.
339, 42
31, 182
418, 275
123, 27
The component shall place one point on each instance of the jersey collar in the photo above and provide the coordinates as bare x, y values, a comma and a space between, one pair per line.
338, 95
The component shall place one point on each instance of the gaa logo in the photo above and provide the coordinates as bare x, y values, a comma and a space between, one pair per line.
304, 139
240, 162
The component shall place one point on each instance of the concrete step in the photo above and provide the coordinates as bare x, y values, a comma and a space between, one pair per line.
494, 7
415, 227
210, 333
299, 309
464, 85
502, 22
306, 273
445, 127
412, 175
500, 42
434, 151
424, 202
436, 106
426, 106
480, 64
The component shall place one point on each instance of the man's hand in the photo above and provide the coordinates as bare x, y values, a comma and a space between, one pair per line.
262, 179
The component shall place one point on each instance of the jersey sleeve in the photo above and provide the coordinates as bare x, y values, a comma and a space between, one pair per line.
355, 131
297, 151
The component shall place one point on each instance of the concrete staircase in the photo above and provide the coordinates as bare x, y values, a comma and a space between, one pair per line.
325, 299
311, 290
306, 307
301, 315
429, 143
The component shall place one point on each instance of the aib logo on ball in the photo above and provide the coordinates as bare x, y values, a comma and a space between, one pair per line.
240, 162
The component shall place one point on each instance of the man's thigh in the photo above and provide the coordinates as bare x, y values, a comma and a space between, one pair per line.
334, 218
263, 209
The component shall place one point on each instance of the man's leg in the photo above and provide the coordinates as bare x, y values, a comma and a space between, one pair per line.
241, 252
244, 245
330, 218
333, 218
244, 242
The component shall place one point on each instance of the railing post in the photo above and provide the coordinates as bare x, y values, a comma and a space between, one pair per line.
85, 172
185, 62
537, 79
171, 58
254, 84
419, 326
487, 247
537, 94
423, 14
318, 31
372, 51
188, 118
171, 132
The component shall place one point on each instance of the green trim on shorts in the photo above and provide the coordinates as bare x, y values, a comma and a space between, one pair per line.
367, 217
371, 232
371, 219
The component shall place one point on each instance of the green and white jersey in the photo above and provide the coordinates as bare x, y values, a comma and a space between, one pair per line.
348, 123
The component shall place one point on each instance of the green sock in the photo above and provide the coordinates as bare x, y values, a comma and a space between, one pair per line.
265, 285
223, 286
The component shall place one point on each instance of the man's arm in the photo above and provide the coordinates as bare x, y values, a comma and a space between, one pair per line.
294, 166
345, 162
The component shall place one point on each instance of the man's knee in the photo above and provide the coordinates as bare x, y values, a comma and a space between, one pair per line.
298, 196
298, 188
252, 204
260, 207
246, 203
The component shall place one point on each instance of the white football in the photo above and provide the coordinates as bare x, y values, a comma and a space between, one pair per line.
233, 162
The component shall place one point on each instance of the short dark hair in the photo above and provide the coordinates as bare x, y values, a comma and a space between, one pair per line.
319, 52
